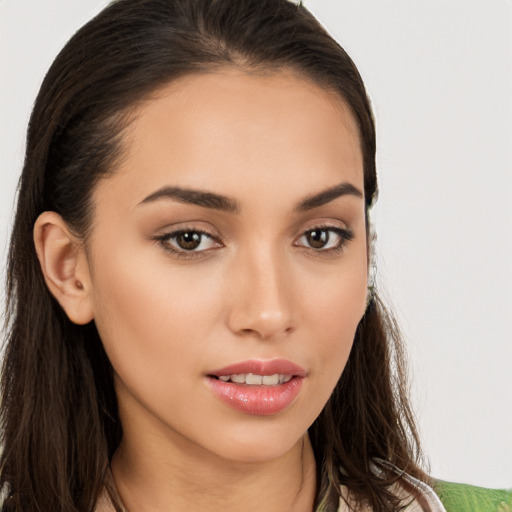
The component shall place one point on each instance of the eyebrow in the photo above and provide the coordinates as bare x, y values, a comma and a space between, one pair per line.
230, 205
317, 200
196, 197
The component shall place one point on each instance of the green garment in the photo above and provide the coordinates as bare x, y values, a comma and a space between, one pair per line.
468, 498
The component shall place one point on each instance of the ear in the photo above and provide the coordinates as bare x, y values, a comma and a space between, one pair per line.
65, 267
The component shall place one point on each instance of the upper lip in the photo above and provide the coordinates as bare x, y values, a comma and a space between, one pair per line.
259, 367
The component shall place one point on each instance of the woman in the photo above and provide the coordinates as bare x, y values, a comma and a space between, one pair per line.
192, 326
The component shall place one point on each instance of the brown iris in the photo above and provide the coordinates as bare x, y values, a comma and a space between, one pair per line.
188, 240
317, 238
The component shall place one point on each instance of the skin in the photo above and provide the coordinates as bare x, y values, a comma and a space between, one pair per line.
254, 289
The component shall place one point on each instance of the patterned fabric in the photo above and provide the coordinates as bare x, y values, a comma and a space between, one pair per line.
468, 498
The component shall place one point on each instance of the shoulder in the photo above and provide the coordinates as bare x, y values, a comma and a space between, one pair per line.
442, 496
468, 498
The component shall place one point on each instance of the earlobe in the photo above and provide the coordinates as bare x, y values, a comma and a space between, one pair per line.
64, 265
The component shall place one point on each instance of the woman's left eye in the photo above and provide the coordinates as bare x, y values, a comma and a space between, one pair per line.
188, 241
325, 238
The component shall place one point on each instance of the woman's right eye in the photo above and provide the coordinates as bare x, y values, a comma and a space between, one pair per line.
187, 242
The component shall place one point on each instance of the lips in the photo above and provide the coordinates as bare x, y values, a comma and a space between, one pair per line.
258, 387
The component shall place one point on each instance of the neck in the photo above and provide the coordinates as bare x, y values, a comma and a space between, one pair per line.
152, 477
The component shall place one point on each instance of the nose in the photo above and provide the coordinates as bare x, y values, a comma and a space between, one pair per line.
262, 297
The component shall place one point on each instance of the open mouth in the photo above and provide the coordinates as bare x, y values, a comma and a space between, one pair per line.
253, 379
258, 387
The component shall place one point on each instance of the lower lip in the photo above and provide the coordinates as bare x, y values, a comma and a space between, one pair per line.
257, 400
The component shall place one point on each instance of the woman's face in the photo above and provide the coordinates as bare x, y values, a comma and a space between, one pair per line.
227, 262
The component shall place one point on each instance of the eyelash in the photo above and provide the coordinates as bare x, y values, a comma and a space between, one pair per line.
345, 236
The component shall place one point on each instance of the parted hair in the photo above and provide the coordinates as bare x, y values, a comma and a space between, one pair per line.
59, 418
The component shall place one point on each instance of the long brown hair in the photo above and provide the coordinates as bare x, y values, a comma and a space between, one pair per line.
59, 418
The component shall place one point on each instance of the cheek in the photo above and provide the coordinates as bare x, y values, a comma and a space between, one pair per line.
331, 317
152, 319
336, 310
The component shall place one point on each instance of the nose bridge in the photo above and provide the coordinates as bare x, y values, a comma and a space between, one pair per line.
262, 302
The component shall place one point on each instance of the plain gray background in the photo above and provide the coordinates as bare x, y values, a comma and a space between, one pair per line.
440, 76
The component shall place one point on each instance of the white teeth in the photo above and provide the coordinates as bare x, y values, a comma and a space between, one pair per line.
256, 380
270, 380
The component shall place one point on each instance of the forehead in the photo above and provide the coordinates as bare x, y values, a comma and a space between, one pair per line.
226, 128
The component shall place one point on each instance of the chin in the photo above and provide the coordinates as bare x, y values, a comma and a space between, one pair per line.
257, 447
